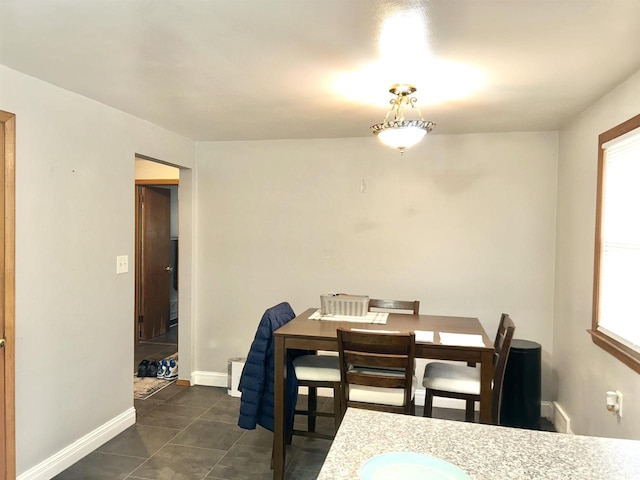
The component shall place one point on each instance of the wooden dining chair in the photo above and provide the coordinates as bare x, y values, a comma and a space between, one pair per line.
258, 374
463, 382
404, 305
257, 379
376, 370
323, 371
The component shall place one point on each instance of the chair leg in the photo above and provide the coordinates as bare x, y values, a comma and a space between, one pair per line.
337, 407
469, 411
428, 403
273, 454
412, 407
344, 400
312, 408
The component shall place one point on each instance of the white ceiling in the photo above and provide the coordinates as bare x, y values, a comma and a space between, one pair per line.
269, 69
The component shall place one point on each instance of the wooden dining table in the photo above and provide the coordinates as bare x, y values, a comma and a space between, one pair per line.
306, 334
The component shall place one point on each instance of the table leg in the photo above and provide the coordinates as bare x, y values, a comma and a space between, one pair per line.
280, 373
486, 377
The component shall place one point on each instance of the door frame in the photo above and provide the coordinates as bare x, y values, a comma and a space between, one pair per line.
7, 168
138, 220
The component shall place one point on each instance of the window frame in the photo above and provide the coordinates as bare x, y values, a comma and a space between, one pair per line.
622, 352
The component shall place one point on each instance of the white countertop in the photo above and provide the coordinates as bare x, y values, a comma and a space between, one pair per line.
484, 452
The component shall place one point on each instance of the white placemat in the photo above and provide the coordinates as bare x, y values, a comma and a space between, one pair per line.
378, 318
424, 336
463, 339
374, 331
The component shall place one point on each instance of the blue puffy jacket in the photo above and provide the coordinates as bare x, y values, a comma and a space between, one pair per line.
257, 379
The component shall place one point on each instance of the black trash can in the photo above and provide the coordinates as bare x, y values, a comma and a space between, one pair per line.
522, 385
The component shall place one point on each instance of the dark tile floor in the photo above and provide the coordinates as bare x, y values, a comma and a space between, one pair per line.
185, 433
191, 433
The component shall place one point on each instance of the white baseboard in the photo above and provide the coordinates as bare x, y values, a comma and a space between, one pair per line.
69, 455
546, 410
218, 379
209, 379
560, 419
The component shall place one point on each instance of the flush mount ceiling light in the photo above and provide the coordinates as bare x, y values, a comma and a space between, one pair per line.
397, 132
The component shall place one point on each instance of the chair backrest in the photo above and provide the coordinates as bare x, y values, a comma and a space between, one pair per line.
412, 306
371, 353
502, 346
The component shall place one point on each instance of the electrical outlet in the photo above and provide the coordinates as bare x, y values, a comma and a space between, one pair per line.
614, 402
122, 264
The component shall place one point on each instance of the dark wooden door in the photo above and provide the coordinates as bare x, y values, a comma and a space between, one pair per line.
154, 261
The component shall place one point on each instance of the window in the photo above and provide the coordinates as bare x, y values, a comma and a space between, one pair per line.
616, 286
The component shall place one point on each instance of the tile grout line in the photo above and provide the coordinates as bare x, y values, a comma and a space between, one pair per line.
195, 419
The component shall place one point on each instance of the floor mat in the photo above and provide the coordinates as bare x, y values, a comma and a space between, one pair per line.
144, 387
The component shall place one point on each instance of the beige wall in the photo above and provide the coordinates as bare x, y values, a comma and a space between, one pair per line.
148, 170
74, 215
463, 223
584, 371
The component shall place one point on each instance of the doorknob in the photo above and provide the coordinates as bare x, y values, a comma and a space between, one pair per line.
2, 342
169, 268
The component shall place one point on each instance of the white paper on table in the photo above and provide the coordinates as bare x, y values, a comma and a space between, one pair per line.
463, 339
424, 336
379, 318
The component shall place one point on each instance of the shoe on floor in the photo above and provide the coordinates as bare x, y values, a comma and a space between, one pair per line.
143, 368
172, 371
152, 370
162, 368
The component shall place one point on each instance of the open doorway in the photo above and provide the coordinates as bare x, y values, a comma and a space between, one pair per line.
156, 276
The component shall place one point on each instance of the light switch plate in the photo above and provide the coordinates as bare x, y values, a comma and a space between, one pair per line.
122, 264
